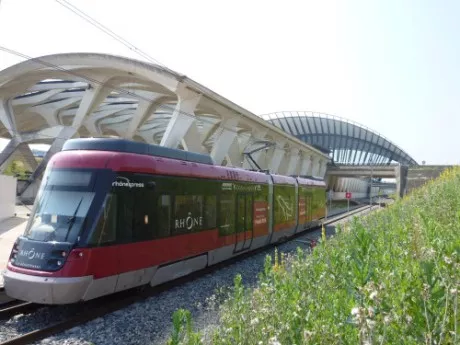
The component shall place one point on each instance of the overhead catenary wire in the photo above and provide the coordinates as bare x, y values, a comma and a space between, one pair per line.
106, 30
85, 16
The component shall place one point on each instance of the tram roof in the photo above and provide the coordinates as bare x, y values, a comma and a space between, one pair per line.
128, 146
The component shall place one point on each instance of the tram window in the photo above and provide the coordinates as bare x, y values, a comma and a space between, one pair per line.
164, 216
210, 212
143, 215
188, 213
284, 204
125, 216
227, 214
105, 231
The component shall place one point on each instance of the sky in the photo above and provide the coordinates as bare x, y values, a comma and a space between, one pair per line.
390, 65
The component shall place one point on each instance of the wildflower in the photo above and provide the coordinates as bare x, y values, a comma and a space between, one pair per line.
370, 323
447, 260
355, 311
387, 319
274, 341
373, 295
307, 335
254, 321
371, 312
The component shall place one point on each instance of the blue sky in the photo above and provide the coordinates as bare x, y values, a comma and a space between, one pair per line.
390, 65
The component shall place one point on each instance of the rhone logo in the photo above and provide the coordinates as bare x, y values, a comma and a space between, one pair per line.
188, 223
31, 254
125, 182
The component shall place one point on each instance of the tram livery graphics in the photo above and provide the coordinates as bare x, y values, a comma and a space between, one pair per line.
112, 215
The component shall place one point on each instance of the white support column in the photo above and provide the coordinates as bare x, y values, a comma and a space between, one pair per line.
65, 134
143, 111
192, 140
305, 165
7, 117
92, 98
314, 166
29, 159
293, 162
248, 144
8, 152
277, 157
183, 117
226, 137
234, 157
323, 169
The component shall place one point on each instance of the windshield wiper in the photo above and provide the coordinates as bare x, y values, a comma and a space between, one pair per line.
71, 220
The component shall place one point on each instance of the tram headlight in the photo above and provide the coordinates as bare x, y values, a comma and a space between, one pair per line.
64, 254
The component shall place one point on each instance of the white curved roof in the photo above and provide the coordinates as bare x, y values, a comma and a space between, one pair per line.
347, 142
56, 97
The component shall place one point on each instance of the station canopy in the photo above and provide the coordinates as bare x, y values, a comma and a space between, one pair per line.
345, 141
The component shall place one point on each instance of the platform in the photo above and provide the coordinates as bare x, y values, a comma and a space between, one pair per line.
10, 229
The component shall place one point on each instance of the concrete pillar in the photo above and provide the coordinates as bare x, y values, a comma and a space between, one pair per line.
323, 169
144, 110
305, 165
226, 137
248, 144
90, 101
293, 162
8, 153
192, 140
234, 155
7, 117
316, 166
183, 117
401, 179
29, 159
65, 134
275, 160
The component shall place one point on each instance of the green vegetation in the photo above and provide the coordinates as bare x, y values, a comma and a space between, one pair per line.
392, 277
17, 169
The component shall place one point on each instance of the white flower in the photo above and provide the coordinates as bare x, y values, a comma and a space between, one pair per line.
373, 295
274, 341
254, 321
355, 311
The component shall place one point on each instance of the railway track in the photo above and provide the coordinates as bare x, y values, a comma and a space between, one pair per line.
16, 307
97, 308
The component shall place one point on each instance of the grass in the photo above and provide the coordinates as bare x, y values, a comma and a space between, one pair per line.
392, 277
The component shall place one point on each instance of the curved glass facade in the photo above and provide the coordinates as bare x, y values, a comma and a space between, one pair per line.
346, 142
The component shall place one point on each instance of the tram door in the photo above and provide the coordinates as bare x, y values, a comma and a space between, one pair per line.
244, 231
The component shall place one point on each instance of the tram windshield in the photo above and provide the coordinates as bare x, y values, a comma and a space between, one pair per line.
61, 207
